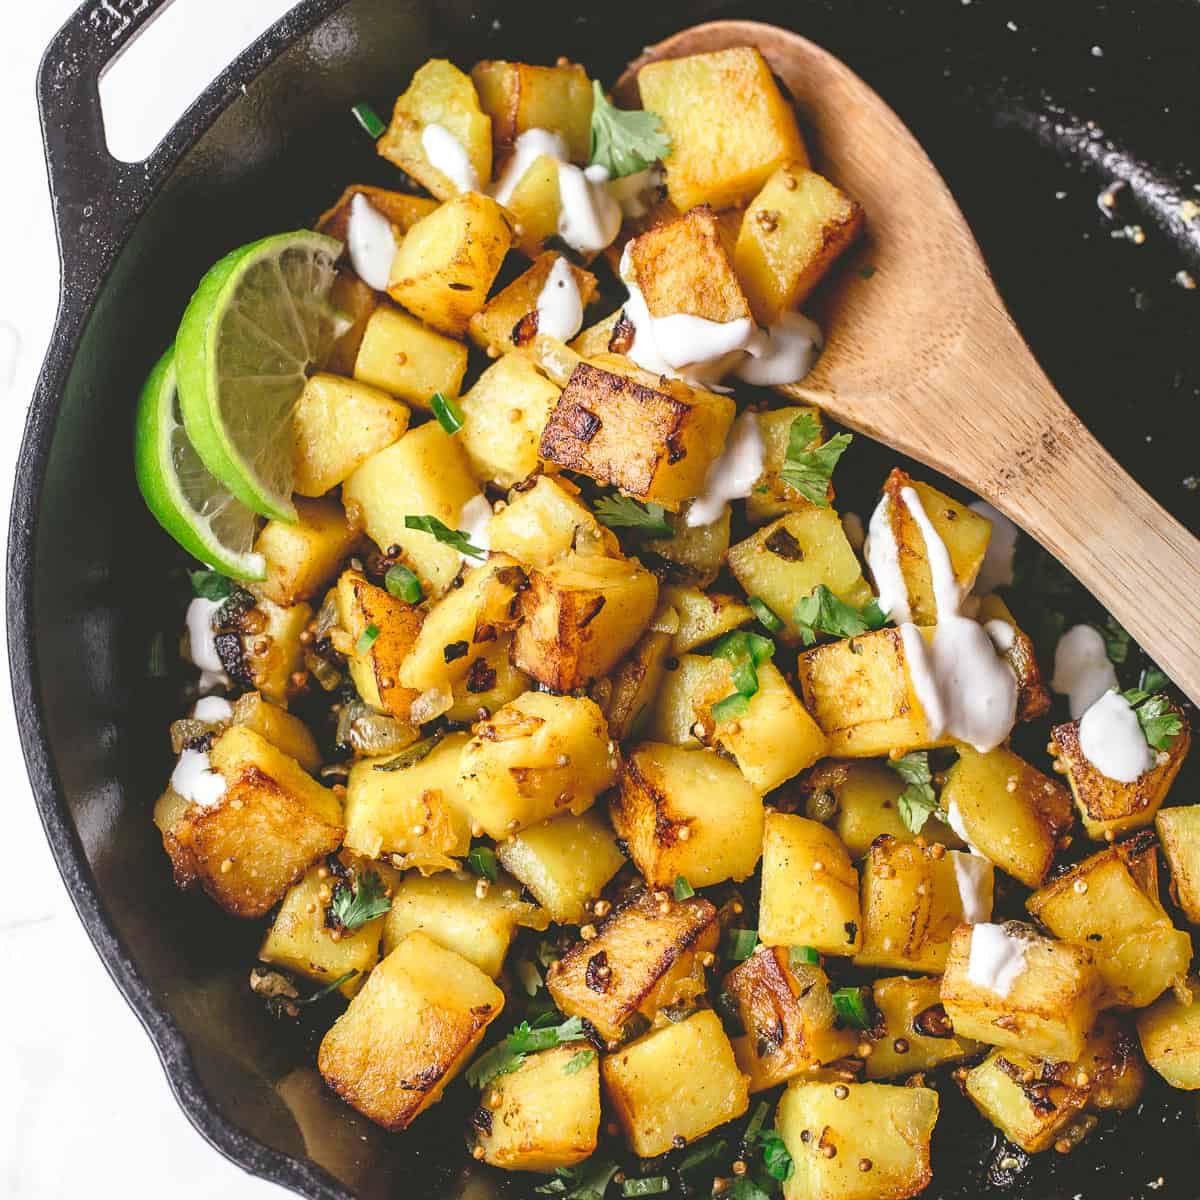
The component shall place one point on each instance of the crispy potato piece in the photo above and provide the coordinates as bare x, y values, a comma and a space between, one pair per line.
1179, 831
672, 717
534, 206
276, 725
628, 698
771, 497
1169, 1031
412, 1028
597, 338
542, 522
1033, 698
402, 209
917, 1034
439, 94
355, 301
519, 97
302, 555
687, 812
401, 356
491, 682
646, 955
729, 125
703, 616
695, 554
261, 648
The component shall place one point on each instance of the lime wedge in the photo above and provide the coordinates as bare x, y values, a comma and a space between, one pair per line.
258, 323
203, 516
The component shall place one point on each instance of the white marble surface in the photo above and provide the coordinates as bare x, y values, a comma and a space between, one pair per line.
84, 1107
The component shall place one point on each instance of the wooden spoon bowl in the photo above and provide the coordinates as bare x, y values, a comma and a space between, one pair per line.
923, 356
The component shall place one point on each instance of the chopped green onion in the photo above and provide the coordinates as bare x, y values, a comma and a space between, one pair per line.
683, 889
740, 943
758, 1118
732, 706
654, 1185
704, 1155
329, 988
853, 1007
798, 955
448, 413
769, 621
482, 860
403, 584
366, 639
368, 118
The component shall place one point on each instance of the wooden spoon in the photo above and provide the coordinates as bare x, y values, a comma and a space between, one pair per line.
923, 357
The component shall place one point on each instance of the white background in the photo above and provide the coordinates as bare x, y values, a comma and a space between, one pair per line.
84, 1106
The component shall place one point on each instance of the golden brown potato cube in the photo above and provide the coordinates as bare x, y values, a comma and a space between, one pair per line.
1107, 806
831, 1129
627, 696
382, 631
354, 301
402, 209
425, 473
519, 97
1179, 832
646, 955
730, 126
658, 1094
564, 862
537, 757
1169, 1031
913, 898
302, 555
809, 888
494, 327
1100, 903
793, 232
694, 554
262, 648
672, 717
703, 616
784, 562
787, 1012
597, 339
579, 616
535, 204
439, 94
412, 813
447, 908
1012, 814
1016, 989
407, 359
285, 732
541, 523
272, 823
503, 417
861, 694
490, 683
917, 1034
412, 1028
771, 497
681, 267
1033, 697
653, 438
545, 1115
687, 813
337, 425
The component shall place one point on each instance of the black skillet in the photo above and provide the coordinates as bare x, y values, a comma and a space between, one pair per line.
1025, 120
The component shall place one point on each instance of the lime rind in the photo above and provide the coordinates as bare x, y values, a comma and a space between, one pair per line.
185, 498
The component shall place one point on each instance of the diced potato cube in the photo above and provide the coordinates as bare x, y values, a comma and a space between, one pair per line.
447, 908
730, 126
793, 232
402, 209
448, 261
494, 326
831, 1132
658, 1093
861, 694
534, 758
564, 863
787, 1012
1179, 831
912, 901
1013, 814
519, 97
425, 473
694, 554
1169, 1031
809, 888
261, 647
1100, 903
545, 1115
503, 417
413, 814
653, 438
771, 497
1052, 999
543, 522
401, 356
337, 425
535, 204
1105, 805
703, 616
439, 94
491, 681
687, 813
355, 301
917, 1034
579, 616
673, 717
285, 732
412, 1028
1033, 697
784, 562
302, 555
597, 339
628, 700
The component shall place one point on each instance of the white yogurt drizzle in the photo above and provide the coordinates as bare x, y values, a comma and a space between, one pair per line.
883, 558
1002, 634
637, 193
202, 643
559, 304
733, 474
975, 877
212, 709
964, 687
997, 958
448, 155
1083, 671
371, 243
782, 353
1111, 739
195, 780
997, 568
475, 520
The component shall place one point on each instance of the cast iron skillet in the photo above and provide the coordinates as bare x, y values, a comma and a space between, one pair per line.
1026, 121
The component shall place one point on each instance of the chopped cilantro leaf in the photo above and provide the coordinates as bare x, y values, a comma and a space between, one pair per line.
809, 471
354, 905
625, 142
1160, 724
823, 612
621, 512
506, 1056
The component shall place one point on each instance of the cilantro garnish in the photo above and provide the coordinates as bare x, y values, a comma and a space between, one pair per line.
444, 534
809, 471
625, 142
506, 1056
620, 512
1159, 723
211, 585
354, 905
917, 803
578, 1061
588, 1181
776, 1158
823, 612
